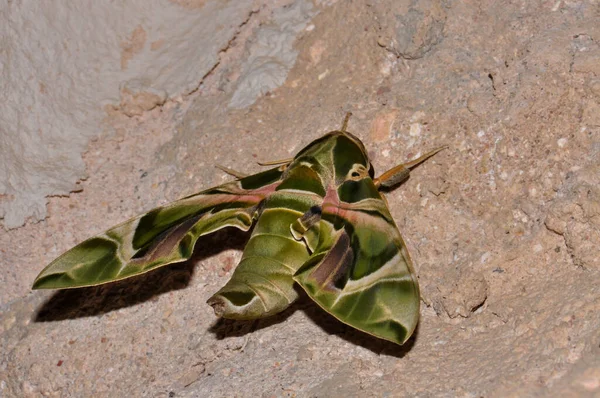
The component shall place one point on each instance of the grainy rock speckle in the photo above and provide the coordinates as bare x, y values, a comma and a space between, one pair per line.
502, 226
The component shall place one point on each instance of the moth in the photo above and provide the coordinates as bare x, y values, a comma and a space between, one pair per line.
319, 221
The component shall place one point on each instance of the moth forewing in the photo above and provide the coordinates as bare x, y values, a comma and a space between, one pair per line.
162, 236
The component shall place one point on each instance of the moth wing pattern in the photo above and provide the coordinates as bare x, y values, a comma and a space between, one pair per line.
319, 220
361, 272
262, 284
162, 236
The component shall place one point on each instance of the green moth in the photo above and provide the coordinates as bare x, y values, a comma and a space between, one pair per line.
319, 221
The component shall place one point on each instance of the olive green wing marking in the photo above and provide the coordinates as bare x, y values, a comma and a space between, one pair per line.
263, 282
361, 272
162, 236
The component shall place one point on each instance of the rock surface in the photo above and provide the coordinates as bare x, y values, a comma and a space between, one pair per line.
65, 63
502, 226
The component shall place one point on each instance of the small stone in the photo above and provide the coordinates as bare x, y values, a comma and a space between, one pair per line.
591, 113
305, 353
316, 51
136, 99
532, 192
561, 142
381, 128
415, 129
226, 372
417, 116
591, 380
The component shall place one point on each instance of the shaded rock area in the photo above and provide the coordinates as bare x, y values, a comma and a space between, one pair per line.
502, 226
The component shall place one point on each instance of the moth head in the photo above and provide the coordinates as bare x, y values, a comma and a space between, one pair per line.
339, 154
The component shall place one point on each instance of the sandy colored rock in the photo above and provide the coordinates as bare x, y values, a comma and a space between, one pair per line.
382, 125
68, 62
502, 226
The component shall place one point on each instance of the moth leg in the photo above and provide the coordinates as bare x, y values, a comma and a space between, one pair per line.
307, 227
400, 173
345, 122
306, 222
236, 174
276, 162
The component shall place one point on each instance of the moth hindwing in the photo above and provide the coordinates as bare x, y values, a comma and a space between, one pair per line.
319, 221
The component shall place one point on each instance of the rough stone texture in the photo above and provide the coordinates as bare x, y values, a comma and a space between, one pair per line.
270, 54
63, 62
502, 226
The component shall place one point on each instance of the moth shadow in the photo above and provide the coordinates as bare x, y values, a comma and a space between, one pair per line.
226, 328
98, 300
333, 326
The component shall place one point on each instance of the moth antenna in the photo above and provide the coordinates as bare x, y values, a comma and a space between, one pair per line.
345, 123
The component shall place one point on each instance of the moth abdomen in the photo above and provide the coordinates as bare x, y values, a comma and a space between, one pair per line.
263, 284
